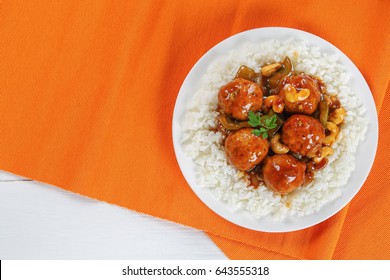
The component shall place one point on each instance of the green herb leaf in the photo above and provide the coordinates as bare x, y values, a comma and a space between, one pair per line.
267, 121
256, 132
262, 129
254, 119
262, 123
272, 126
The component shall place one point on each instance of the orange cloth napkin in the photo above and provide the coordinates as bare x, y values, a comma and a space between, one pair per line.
87, 90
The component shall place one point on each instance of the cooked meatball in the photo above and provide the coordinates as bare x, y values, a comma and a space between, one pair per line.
299, 82
245, 150
239, 97
303, 134
283, 173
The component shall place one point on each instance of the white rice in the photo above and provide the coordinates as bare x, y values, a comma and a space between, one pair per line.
225, 181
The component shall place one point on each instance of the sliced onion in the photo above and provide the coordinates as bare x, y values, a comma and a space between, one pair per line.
246, 73
276, 79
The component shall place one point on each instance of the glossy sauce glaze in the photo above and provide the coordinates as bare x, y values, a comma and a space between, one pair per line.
302, 113
239, 97
283, 173
298, 83
303, 134
245, 150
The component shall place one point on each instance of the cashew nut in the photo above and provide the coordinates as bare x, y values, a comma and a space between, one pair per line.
314, 153
325, 151
278, 147
334, 131
276, 102
337, 116
292, 95
268, 70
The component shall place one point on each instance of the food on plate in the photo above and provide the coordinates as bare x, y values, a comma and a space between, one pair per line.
239, 97
303, 134
291, 106
301, 94
283, 173
274, 128
244, 149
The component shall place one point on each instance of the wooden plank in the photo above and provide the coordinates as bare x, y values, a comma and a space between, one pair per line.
43, 222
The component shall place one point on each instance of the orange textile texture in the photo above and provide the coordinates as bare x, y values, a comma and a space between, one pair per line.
87, 91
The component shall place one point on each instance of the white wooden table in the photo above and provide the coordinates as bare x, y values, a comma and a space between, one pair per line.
38, 221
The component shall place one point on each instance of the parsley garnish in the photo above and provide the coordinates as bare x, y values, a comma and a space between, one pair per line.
262, 123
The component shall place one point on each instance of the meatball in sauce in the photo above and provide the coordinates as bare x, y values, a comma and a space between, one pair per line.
303, 134
297, 83
239, 97
283, 173
245, 150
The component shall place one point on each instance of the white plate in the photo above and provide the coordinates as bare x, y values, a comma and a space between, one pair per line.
364, 156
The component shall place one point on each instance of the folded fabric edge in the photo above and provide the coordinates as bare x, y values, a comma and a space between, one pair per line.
238, 250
